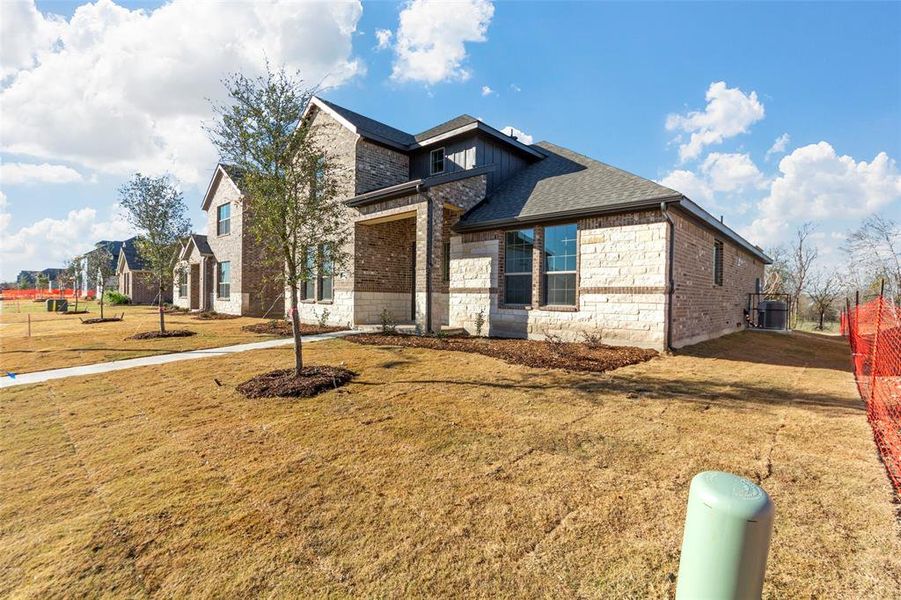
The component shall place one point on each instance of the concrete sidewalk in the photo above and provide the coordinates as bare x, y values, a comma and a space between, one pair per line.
160, 359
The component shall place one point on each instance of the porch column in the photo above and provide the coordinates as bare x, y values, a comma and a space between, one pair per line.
429, 221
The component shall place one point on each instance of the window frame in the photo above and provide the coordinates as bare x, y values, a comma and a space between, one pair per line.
324, 275
718, 260
227, 222
432, 170
445, 262
220, 283
308, 295
183, 284
518, 274
547, 273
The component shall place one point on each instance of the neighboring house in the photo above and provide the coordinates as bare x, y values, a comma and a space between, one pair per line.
28, 279
225, 271
133, 279
113, 247
462, 220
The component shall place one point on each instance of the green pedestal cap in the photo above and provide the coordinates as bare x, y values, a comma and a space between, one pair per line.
726, 541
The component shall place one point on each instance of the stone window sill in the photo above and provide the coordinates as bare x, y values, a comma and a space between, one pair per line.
307, 301
325, 302
559, 308
514, 307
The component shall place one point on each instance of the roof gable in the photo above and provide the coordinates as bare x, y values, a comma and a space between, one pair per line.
231, 172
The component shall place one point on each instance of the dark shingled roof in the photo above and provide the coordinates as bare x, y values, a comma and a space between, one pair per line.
371, 127
564, 182
235, 173
200, 242
454, 123
132, 257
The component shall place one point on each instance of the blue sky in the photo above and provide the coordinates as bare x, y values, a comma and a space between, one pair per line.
100, 91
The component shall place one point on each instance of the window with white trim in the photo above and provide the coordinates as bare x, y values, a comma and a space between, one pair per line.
223, 279
436, 161
560, 265
308, 289
182, 284
326, 276
518, 246
223, 219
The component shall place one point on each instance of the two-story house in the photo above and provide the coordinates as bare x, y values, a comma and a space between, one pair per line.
462, 223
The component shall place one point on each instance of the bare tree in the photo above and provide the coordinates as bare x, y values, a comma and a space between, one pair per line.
875, 247
291, 187
776, 275
156, 208
823, 289
800, 258
71, 275
98, 268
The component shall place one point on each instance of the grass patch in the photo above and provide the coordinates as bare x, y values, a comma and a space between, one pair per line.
595, 358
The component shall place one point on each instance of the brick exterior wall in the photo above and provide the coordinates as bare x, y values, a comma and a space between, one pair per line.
378, 167
139, 286
702, 309
227, 248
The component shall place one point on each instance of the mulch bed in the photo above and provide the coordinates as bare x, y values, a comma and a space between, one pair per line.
283, 328
214, 316
75, 312
150, 335
569, 356
283, 384
99, 320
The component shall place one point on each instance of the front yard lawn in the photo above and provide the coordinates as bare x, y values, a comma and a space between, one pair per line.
62, 340
437, 474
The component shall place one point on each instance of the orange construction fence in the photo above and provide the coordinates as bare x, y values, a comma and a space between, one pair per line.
44, 294
874, 333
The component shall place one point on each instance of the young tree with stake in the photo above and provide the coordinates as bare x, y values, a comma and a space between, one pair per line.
98, 268
290, 199
156, 208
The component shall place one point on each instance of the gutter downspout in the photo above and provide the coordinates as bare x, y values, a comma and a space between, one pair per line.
671, 282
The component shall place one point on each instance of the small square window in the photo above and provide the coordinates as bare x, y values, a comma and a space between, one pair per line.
436, 161
223, 219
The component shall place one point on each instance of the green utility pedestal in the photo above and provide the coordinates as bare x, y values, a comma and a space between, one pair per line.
726, 539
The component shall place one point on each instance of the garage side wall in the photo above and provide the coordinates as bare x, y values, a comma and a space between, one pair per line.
701, 309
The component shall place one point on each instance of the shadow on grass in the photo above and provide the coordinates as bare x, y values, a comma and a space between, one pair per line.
795, 349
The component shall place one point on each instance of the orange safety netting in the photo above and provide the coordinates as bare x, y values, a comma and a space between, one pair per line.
43, 294
874, 332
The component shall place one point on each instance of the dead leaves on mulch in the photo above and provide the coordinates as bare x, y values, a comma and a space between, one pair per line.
282, 328
569, 356
99, 320
283, 384
214, 316
150, 335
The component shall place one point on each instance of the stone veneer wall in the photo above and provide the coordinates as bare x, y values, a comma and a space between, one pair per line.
621, 284
701, 309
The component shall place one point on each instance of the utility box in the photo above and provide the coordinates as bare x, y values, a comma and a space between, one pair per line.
57, 305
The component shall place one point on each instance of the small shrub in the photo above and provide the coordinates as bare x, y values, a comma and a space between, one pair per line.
388, 324
115, 298
322, 318
593, 339
480, 322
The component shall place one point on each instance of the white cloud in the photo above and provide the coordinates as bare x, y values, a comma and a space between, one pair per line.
383, 38
520, 135
25, 35
432, 37
689, 184
815, 183
487, 91
779, 146
719, 182
729, 112
51, 242
515, 88
124, 90
19, 173
731, 172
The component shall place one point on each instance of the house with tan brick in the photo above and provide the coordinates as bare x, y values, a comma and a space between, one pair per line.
222, 271
461, 224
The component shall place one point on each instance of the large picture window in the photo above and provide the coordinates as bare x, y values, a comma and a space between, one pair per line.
308, 289
224, 278
326, 276
560, 265
717, 262
223, 219
518, 247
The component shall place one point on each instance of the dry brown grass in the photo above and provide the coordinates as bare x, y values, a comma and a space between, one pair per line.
60, 340
437, 474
